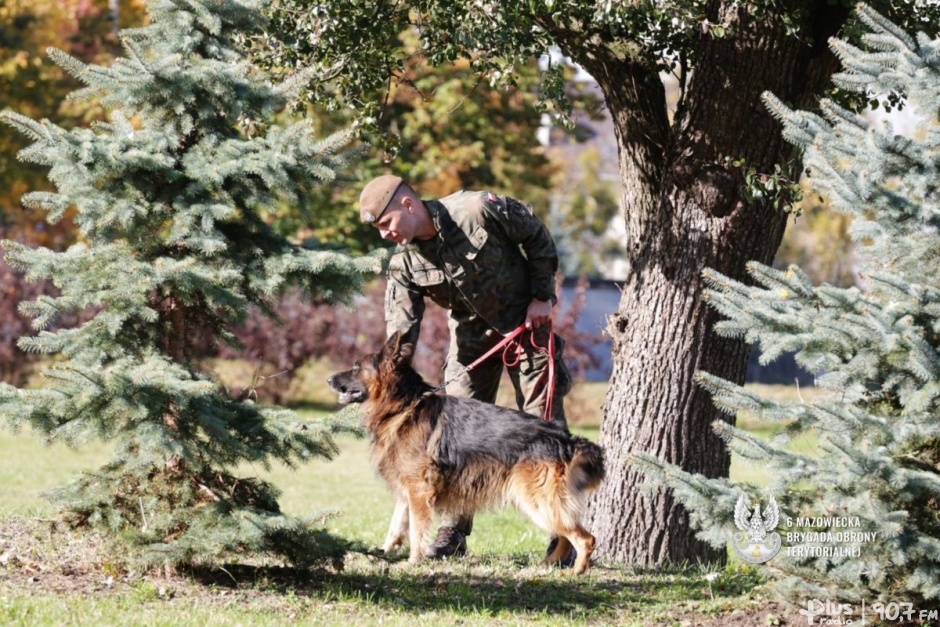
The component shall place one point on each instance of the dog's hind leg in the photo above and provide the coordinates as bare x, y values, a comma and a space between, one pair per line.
583, 543
398, 528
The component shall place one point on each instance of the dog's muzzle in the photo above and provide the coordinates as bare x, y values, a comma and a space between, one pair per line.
346, 395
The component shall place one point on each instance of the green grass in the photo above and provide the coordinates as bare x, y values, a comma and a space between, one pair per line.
470, 594
27, 467
502, 582
346, 484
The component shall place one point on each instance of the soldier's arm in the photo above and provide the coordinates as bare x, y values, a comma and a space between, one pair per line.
404, 306
523, 228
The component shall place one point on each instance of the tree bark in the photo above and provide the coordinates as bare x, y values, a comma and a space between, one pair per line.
685, 210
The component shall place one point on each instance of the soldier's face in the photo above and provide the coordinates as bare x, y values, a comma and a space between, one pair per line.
394, 225
397, 225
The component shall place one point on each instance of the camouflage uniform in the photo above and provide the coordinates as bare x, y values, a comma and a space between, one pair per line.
491, 257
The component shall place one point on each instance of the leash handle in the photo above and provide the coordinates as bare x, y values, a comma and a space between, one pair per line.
510, 343
549, 412
504, 343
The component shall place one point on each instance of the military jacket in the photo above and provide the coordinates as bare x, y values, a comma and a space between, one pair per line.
490, 258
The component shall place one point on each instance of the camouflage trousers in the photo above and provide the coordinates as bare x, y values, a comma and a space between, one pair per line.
528, 372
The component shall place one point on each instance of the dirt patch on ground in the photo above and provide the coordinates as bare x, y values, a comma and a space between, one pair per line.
36, 555
766, 614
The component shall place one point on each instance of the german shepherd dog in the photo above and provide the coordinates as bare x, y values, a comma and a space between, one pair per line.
445, 454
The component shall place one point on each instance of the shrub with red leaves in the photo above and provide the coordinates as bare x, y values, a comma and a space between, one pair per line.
307, 331
14, 363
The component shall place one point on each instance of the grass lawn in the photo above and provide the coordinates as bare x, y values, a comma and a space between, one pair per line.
53, 579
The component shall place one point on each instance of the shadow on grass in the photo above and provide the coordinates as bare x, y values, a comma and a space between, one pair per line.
507, 585
424, 592
481, 586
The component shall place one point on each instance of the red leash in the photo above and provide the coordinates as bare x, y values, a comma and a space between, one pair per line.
512, 355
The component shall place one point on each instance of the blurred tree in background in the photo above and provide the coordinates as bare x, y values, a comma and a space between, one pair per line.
818, 241
443, 129
583, 205
33, 85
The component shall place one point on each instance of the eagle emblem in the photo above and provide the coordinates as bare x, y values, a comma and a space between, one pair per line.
754, 524
754, 545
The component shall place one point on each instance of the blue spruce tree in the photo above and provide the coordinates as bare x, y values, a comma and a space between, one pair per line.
173, 195
875, 350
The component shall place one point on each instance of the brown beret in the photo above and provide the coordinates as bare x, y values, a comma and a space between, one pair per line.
375, 196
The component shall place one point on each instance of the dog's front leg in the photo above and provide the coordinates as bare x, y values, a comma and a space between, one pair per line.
420, 513
398, 527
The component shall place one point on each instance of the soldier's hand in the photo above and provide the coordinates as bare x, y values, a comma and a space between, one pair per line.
538, 313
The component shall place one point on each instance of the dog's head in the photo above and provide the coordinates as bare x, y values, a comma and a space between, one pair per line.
362, 381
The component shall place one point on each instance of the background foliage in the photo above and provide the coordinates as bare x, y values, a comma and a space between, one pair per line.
32, 84
304, 330
442, 128
171, 197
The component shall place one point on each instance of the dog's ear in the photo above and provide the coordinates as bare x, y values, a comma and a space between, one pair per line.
392, 346
405, 353
396, 351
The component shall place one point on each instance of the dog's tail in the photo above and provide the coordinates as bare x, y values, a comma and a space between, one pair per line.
587, 467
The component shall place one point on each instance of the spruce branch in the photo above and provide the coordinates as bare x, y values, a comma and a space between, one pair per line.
36, 131
881, 25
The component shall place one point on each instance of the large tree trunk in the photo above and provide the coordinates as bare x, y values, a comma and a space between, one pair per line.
685, 210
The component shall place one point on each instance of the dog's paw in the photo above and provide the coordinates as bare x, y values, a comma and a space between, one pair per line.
391, 547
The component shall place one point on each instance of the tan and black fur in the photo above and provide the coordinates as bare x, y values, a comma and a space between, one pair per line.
457, 455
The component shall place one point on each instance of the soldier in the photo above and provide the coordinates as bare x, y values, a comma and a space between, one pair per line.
490, 262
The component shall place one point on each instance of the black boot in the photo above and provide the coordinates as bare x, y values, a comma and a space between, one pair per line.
450, 541
568, 560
